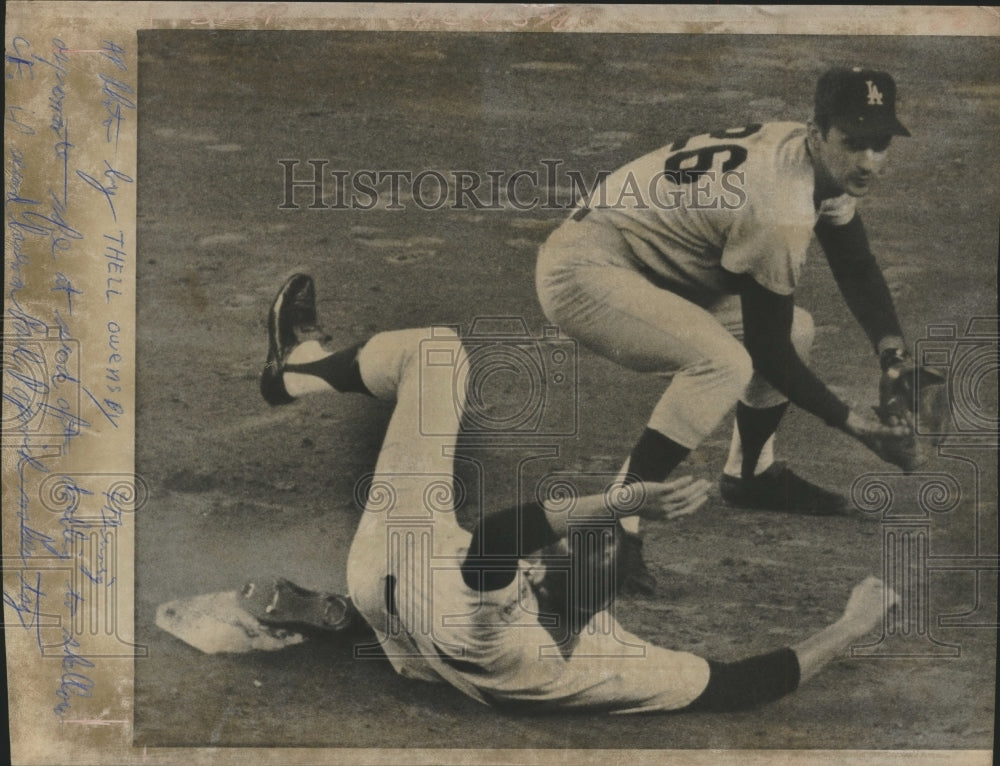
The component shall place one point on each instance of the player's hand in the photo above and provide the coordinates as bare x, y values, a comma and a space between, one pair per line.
869, 601
908, 393
893, 443
895, 388
672, 499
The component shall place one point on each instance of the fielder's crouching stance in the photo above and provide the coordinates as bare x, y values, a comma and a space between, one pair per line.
470, 609
682, 254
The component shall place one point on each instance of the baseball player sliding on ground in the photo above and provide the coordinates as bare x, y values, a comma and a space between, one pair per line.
679, 254
488, 611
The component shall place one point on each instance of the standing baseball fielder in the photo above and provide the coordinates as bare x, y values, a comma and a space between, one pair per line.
468, 608
680, 253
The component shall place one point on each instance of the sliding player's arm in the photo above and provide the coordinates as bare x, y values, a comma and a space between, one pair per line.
767, 677
503, 537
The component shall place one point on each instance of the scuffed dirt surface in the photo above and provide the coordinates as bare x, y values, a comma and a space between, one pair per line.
239, 489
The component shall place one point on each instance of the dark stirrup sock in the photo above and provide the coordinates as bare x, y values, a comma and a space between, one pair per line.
340, 370
756, 427
654, 457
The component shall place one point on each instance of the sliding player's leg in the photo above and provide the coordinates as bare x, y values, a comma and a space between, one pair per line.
408, 515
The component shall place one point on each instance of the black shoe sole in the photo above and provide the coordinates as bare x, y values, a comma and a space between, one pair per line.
288, 310
733, 500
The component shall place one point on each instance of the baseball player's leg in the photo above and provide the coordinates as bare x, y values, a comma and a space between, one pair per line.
588, 285
751, 478
299, 361
414, 464
761, 407
615, 311
408, 517
418, 449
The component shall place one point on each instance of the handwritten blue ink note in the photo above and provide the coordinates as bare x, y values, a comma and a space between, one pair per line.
68, 367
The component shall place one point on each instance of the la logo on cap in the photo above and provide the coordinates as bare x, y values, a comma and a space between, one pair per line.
860, 102
874, 94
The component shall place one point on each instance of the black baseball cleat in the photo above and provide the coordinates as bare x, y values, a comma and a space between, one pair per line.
282, 603
632, 576
293, 311
779, 489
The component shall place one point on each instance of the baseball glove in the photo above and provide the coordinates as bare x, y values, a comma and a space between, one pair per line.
893, 443
914, 397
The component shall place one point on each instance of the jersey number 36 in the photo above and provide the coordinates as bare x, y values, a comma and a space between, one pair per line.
686, 167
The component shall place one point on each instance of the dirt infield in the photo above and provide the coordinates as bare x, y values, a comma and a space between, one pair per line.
239, 489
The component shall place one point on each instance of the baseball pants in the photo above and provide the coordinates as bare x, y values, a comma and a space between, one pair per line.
403, 567
588, 284
408, 517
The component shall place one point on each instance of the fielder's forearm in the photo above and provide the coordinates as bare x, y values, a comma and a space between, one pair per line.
767, 331
861, 281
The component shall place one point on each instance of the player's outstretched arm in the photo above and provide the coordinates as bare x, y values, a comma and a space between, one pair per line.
502, 537
767, 677
868, 604
649, 500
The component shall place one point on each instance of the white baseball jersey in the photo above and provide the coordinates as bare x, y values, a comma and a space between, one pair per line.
737, 201
492, 646
404, 571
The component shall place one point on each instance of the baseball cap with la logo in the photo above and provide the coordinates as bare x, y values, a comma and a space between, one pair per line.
861, 102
